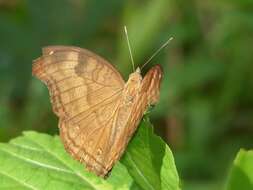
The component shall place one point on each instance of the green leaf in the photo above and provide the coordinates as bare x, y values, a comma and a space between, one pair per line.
241, 176
39, 161
150, 161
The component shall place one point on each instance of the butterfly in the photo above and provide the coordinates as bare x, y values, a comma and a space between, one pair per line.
98, 111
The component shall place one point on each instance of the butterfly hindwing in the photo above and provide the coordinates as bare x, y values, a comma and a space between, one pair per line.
85, 92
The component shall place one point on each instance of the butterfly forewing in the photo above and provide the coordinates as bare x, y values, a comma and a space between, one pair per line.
84, 91
89, 96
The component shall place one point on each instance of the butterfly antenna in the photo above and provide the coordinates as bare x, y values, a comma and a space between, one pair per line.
129, 48
157, 51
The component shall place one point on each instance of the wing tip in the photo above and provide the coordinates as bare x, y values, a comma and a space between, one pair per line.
36, 66
157, 71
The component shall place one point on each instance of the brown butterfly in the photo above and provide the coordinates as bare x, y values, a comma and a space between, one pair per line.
98, 112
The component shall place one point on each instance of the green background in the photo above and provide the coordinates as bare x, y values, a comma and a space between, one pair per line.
206, 108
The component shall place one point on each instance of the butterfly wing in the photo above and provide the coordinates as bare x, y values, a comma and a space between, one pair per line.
150, 89
126, 126
149, 95
85, 92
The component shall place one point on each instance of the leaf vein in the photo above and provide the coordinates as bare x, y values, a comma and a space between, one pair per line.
73, 171
37, 163
18, 181
139, 172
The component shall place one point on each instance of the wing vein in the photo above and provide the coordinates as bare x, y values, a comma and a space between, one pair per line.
95, 105
71, 69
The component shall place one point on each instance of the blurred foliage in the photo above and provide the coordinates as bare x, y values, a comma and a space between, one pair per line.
206, 107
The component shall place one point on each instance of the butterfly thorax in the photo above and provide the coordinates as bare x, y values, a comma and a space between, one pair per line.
132, 88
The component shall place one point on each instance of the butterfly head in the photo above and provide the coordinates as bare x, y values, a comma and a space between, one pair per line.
135, 77
138, 70
133, 84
